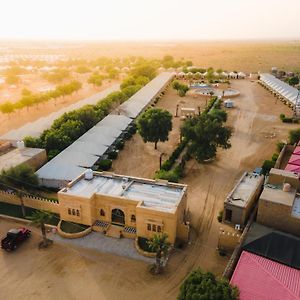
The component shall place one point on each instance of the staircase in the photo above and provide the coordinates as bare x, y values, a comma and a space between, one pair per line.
114, 231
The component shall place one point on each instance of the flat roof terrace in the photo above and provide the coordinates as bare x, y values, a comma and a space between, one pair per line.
162, 196
243, 190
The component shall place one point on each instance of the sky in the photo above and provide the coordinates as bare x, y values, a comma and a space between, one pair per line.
149, 19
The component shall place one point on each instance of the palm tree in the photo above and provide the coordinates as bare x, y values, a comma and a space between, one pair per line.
22, 178
159, 244
40, 218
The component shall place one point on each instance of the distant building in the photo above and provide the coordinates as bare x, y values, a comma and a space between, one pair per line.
279, 203
33, 157
138, 207
241, 200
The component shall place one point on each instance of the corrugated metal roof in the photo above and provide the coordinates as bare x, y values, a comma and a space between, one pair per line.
282, 88
137, 103
260, 278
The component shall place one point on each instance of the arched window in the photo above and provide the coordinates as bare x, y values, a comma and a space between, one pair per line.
77, 213
133, 218
69, 211
102, 213
73, 212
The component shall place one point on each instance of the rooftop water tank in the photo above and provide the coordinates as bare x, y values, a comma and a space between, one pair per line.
286, 187
88, 174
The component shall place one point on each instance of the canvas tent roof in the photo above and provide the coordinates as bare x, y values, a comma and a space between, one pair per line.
297, 150
260, 278
84, 152
292, 168
294, 160
273, 244
282, 88
140, 100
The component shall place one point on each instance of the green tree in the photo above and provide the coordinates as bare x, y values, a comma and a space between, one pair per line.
154, 125
205, 133
7, 107
95, 79
160, 245
82, 69
40, 218
22, 178
201, 285
12, 79
294, 136
146, 70
293, 81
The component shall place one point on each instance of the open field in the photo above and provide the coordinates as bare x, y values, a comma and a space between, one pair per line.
62, 272
247, 56
30, 114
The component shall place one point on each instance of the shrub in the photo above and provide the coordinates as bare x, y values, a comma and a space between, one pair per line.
280, 146
282, 117
105, 164
167, 165
287, 120
120, 145
275, 156
167, 175
267, 166
294, 136
113, 155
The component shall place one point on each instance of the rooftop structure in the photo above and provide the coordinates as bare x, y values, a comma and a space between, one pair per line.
32, 156
150, 193
35, 128
84, 152
141, 206
279, 202
260, 278
241, 199
140, 100
279, 87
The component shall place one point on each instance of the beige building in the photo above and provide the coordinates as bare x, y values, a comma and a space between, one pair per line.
279, 203
241, 200
139, 207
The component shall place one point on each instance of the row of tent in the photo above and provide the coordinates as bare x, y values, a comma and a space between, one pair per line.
36, 128
90, 147
227, 75
279, 87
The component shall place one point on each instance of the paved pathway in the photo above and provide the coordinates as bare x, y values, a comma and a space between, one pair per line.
98, 241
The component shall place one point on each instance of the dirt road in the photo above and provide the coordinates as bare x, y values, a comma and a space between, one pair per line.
69, 273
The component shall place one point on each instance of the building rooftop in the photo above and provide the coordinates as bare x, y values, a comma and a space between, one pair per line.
243, 190
261, 278
153, 194
296, 207
274, 193
17, 157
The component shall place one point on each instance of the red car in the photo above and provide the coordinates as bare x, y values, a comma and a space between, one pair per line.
14, 238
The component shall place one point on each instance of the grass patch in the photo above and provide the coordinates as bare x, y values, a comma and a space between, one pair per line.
143, 244
13, 210
70, 227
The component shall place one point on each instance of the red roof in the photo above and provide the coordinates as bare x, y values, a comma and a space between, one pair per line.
293, 168
294, 160
259, 278
297, 150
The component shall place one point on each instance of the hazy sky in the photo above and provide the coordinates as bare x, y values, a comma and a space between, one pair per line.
150, 19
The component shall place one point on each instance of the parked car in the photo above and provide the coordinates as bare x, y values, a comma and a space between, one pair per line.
14, 238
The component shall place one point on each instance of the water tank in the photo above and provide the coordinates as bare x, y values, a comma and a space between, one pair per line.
20, 145
88, 174
286, 187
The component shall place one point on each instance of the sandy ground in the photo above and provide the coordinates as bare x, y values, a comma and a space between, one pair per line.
21, 117
70, 273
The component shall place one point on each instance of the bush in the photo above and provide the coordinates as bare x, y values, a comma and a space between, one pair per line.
167, 165
294, 136
287, 120
275, 157
267, 166
143, 244
171, 176
282, 117
120, 145
113, 155
280, 146
105, 164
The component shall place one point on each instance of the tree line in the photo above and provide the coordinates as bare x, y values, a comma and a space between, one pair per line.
70, 126
29, 99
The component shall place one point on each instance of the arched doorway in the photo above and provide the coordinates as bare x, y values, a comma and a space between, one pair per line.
118, 216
